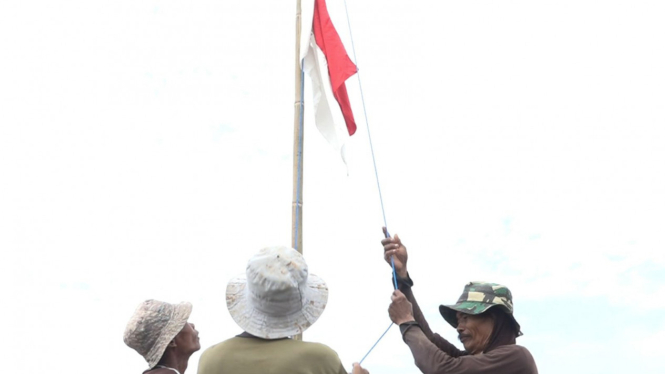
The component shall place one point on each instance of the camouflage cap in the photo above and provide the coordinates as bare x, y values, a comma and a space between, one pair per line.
477, 298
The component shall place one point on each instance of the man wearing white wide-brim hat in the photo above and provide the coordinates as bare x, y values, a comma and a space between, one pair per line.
274, 300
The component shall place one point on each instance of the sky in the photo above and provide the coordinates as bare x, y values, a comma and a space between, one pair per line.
146, 152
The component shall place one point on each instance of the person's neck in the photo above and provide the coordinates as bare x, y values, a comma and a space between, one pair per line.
174, 361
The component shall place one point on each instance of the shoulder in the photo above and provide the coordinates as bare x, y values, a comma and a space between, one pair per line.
515, 350
514, 354
212, 358
319, 351
319, 348
320, 356
221, 346
510, 350
525, 353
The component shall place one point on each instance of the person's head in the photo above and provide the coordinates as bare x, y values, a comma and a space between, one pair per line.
277, 297
483, 317
158, 328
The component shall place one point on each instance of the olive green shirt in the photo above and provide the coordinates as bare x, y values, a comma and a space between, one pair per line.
251, 355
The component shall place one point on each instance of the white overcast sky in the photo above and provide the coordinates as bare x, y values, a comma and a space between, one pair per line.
146, 152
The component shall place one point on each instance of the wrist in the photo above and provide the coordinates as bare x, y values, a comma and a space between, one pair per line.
405, 326
407, 320
404, 281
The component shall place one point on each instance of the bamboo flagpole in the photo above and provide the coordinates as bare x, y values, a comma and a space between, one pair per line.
298, 147
298, 143
329, 67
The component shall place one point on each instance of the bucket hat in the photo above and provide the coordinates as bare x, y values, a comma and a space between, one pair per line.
276, 297
477, 298
153, 325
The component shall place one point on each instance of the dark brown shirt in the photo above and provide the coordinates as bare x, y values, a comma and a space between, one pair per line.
435, 355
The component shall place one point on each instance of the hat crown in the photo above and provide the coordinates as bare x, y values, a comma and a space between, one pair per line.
153, 325
146, 325
490, 294
277, 297
276, 278
477, 298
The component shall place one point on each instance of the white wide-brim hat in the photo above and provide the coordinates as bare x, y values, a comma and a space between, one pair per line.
276, 297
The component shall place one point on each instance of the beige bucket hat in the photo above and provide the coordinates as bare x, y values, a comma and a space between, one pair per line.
276, 297
153, 325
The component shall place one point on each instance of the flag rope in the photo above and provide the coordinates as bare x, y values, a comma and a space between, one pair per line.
369, 136
392, 262
376, 172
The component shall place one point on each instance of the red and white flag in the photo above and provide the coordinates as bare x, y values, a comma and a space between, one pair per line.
326, 63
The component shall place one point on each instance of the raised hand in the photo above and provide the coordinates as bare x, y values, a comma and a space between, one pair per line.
393, 247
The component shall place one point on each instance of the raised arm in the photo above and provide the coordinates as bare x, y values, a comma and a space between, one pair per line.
435, 338
393, 247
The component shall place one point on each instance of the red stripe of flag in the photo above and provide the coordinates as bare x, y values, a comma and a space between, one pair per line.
340, 66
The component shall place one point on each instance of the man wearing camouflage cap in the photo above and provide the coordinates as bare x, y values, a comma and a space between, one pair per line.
483, 318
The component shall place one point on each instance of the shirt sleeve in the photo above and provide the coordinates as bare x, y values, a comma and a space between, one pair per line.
405, 285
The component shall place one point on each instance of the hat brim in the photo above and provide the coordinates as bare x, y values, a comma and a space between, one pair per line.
449, 312
260, 324
180, 316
